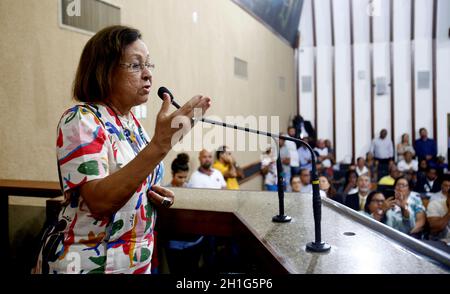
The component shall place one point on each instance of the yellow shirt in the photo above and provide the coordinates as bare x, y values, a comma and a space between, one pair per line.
232, 183
387, 181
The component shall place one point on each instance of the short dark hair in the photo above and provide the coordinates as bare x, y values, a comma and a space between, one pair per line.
100, 56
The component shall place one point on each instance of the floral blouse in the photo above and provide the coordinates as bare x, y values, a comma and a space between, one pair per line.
94, 142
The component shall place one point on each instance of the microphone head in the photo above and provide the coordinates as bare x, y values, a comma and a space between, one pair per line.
163, 90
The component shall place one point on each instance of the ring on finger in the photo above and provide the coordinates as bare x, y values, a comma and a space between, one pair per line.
166, 202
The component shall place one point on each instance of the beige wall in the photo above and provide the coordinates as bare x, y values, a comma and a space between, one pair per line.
39, 60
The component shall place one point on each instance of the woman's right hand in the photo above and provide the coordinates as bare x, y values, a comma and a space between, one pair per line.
168, 124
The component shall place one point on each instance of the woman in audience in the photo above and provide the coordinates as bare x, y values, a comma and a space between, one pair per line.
110, 169
404, 146
374, 206
350, 185
180, 170
423, 167
326, 186
407, 213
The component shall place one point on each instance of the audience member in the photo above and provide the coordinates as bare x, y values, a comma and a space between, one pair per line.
180, 170
429, 184
206, 176
361, 168
372, 165
304, 129
305, 178
322, 154
331, 153
408, 163
330, 192
374, 206
438, 213
404, 146
445, 188
389, 180
296, 183
269, 170
292, 147
357, 200
304, 157
408, 213
285, 156
350, 185
440, 165
226, 164
411, 176
383, 151
425, 147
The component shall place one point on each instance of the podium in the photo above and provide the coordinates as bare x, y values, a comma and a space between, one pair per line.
359, 245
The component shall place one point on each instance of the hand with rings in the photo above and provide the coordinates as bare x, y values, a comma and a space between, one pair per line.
161, 196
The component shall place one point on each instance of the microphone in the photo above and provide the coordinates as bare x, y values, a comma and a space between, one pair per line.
163, 90
317, 245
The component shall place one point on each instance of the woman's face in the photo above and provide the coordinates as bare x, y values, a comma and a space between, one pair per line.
131, 88
402, 187
376, 203
179, 178
324, 185
405, 138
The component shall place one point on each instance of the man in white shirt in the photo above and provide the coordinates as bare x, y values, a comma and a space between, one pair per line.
206, 176
441, 195
383, 150
438, 214
285, 156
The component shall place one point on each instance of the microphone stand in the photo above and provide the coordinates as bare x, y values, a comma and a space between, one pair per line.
281, 217
317, 245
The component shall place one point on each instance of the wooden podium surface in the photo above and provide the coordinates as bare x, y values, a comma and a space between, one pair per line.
358, 243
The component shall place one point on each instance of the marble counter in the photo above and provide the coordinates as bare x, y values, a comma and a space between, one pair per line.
356, 246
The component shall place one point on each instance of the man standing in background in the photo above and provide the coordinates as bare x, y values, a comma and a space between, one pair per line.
383, 151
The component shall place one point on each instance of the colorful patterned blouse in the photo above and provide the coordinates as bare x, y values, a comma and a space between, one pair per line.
92, 143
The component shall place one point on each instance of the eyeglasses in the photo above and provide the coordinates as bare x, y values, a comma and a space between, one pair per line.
401, 185
138, 67
377, 200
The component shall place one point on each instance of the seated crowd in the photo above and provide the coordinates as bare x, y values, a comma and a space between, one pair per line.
410, 194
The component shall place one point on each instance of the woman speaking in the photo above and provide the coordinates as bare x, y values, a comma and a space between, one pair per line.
109, 168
